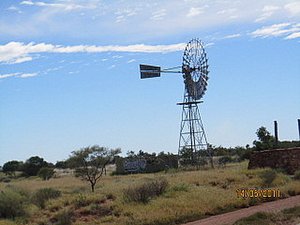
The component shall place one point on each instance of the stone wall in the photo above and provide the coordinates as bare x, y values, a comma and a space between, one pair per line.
287, 159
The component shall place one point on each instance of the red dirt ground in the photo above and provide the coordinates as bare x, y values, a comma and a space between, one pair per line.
231, 217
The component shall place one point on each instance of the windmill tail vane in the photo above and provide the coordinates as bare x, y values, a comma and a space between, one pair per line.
148, 71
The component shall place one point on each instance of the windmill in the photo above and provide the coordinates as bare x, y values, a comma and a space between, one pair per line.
194, 70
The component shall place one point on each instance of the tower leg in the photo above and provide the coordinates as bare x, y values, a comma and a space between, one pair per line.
193, 146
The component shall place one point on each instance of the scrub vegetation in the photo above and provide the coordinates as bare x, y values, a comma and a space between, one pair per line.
287, 216
168, 197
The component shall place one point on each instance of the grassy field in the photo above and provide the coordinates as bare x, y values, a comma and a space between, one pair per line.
285, 217
190, 195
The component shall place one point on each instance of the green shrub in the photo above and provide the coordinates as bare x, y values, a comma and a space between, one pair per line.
111, 196
225, 159
143, 193
46, 173
268, 176
81, 201
99, 210
257, 218
64, 218
5, 179
297, 175
245, 154
23, 192
12, 204
292, 211
181, 187
43, 195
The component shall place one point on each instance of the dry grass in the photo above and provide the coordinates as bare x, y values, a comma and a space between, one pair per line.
285, 217
7, 222
65, 184
191, 195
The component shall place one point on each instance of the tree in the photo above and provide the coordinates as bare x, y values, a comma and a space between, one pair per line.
33, 165
225, 159
190, 158
266, 140
90, 162
131, 154
10, 167
46, 173
186, 156
61, 164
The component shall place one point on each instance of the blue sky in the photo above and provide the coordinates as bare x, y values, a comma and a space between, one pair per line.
69, 73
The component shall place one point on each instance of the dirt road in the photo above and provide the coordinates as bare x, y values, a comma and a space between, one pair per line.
231, 217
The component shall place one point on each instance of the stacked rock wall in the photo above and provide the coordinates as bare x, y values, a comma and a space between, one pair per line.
287, 159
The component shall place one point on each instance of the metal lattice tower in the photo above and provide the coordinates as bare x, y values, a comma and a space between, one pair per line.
192, 133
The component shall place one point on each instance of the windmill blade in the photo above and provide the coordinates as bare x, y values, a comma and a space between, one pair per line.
148, 71
204, 67
204, 73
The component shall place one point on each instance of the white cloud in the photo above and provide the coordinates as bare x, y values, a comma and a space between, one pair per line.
21, 60
45, 19
293, 7
111, 67
20, 75
74, 72
14, 8
276, 30
226, 11
27, 3
26, 75
123, 15
3, 76
131, 61
52, 69
268, 11
194, 12
120, 19
16, 52
293, 35
117, 57
270, 8
209, 44
158, 15
66, 6
232, 36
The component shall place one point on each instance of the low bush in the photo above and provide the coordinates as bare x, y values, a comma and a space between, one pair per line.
297, 175
257, 218
111, 196
224, 160
280, 180
43, 195
287, 216
181, 187
23, 192
292, 211
5, 179
81, 201
98, 209
46, 173
143, 193
64, 218
12, 204
268, 176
